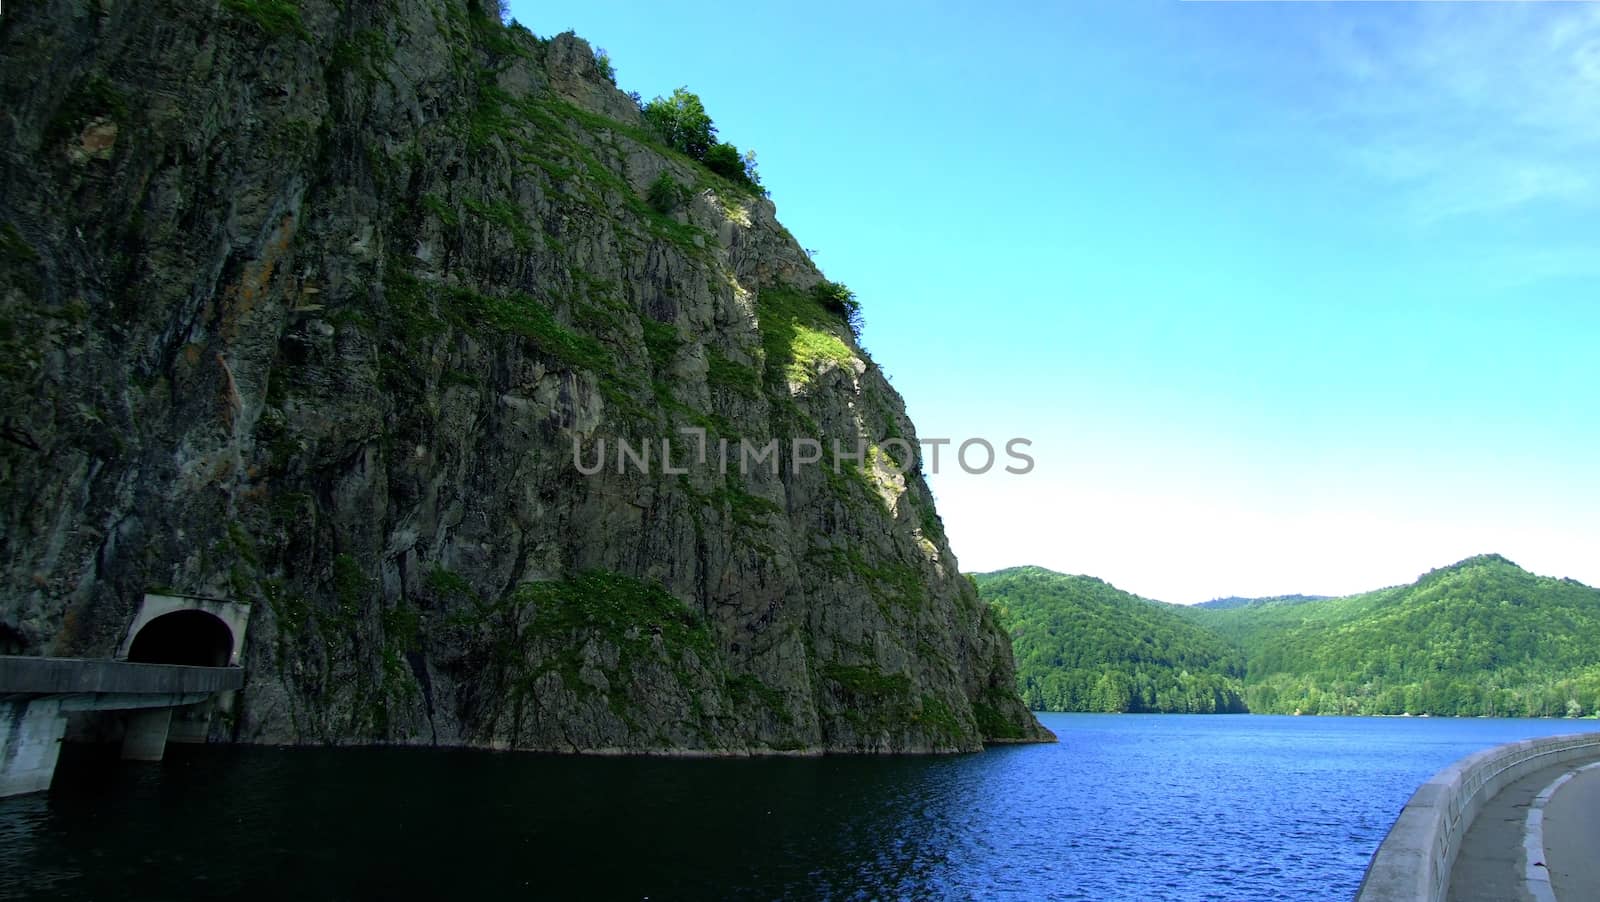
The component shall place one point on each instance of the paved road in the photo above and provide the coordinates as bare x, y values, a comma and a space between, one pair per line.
1491, 863
1572, 838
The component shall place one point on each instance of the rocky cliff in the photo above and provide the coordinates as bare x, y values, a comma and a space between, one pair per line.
308, 304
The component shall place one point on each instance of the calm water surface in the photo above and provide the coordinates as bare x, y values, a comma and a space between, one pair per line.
1126, 807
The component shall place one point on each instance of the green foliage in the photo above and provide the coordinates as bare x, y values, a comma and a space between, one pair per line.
504, 214
868, 681
682, 122
936, 715
666, 194
891, 581
351, 587
243, 545
526, 316
798, 334
293, 613
661, 341
492, 12
993, 723
840, 300
932, 525
554, 146
363, 53
277, 18
402, 626
602, 63
725, 160
874, 701
447, 583
735, 377
752, 172
417, 310
1082, 645
747, 511
502, 39
1481, 637
744, 688
14, 249
490, 118
626, 611
409, 305
441, 209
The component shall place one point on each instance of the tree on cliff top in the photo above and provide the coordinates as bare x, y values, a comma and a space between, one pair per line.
683, 123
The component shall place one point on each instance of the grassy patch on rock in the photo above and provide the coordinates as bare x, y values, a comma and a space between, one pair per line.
799, 335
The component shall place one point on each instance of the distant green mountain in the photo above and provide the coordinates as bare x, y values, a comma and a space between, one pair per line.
1235, 601
1481, 637
1083, 645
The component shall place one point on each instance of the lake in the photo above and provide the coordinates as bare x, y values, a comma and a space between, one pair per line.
1146, 807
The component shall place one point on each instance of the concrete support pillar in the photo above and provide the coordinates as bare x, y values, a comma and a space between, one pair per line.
30, 742
146, 736
190, 723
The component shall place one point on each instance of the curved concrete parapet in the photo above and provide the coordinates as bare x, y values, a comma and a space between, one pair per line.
37, 694
29, 675
1413, 862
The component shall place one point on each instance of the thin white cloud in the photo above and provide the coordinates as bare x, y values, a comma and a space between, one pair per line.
1472, 108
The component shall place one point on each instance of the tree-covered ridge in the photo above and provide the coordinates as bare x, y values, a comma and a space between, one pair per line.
1481, 637
1083, 645
1238, 601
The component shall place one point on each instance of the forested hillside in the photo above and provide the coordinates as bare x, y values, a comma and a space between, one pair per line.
1481, 637
1083, 645
1235, 601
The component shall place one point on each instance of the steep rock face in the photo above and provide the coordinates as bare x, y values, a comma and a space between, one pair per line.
320, 305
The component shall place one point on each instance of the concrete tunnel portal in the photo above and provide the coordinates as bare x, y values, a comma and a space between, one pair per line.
192, 637
179, 630
177, 662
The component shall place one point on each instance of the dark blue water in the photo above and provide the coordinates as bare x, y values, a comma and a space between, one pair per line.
1125, 807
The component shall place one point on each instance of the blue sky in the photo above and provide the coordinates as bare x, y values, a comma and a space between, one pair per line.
1290, 297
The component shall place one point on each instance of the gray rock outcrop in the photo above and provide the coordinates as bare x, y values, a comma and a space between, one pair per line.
308, 304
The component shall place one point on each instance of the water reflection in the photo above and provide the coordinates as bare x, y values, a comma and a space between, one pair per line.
1124, 807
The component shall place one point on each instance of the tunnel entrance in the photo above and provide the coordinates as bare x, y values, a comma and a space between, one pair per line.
191, 637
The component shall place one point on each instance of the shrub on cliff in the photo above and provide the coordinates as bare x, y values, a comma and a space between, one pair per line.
682, 123
725, 160
838, 299
666, 194
602, 62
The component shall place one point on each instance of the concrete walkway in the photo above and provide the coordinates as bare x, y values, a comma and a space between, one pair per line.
1572, 838
37, 695
1491, 864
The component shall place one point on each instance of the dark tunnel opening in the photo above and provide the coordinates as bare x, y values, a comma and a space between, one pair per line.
183, 637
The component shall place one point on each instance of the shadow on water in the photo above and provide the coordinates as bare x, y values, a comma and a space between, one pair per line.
1148, 807
390, 823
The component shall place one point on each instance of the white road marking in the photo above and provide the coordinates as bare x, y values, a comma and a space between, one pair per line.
1536, 875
